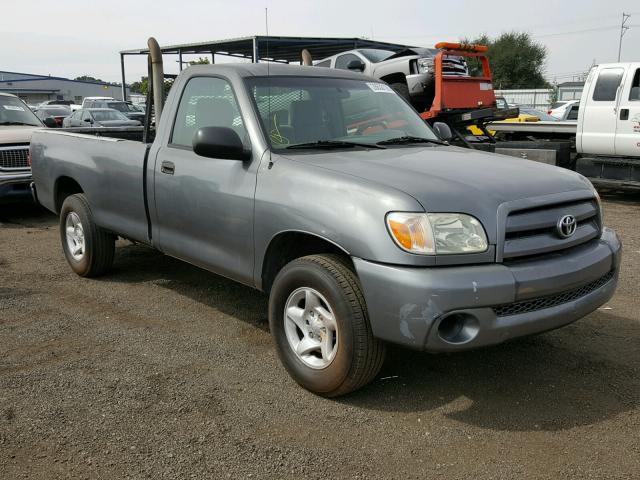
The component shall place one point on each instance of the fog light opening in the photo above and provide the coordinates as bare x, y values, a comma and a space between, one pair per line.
458, 328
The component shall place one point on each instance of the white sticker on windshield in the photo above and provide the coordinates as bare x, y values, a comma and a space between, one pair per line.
380, 87
13, 107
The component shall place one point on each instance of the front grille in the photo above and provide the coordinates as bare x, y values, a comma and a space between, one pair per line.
533, 232
14, 157
551, 300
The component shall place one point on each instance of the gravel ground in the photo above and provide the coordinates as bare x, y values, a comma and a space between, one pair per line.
162, 370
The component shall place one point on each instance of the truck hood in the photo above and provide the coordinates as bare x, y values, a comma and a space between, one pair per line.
16, 133
451, 179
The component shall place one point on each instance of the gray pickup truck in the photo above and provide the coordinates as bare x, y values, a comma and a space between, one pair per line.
324, 189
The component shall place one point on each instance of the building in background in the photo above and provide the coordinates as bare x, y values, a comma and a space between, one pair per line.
34, 89
539, 98
570, 91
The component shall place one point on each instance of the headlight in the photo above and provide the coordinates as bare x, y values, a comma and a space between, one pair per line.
437, 233
425, 65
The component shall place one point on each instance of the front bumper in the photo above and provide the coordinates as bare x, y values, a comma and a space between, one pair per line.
15, 186
409, 306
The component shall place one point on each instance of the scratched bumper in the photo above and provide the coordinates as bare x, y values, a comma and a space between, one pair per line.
406, 304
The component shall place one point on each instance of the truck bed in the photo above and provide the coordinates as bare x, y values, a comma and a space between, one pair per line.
110, 170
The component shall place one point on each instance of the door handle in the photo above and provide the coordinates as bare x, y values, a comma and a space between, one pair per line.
168, 167
624, 114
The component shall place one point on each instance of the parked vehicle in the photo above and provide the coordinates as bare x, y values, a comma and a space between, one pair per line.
99, 117
85, 100
345, 207
606, 132
46, 103
560, 110
410, 72
124, 107
17, 123
57, 112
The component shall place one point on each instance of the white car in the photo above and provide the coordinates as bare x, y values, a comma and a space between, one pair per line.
559, 109
88, 99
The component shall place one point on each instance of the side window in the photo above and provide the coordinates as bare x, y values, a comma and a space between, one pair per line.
343, 60
326, 63
607, 84
573, 112
205, 102
86, 116
634, 94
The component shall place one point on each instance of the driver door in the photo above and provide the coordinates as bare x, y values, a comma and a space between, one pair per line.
204, 206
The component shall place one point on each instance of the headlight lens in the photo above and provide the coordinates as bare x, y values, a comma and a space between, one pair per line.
437, 233
425, 65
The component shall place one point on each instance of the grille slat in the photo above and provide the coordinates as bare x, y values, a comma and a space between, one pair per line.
14, 158
549, 301
533, 231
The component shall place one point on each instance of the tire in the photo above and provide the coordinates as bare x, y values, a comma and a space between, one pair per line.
89, 249
357, 355
403, 90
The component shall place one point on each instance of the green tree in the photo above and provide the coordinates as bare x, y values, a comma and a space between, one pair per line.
516, 60
142, 86
88, 78
200, 61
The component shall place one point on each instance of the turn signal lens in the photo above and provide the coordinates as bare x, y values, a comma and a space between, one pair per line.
412, 232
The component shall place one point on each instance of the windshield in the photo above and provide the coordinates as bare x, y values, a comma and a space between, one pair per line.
121, 106
297, 110
375, 55
54, 112
14, 112
106, 115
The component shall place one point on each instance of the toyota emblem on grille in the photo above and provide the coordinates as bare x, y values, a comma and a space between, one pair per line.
567, 226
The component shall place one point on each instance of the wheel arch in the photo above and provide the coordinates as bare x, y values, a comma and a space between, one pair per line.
397, 77
64, 187
288, 245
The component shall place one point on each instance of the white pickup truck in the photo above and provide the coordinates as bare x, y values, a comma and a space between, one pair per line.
607, 132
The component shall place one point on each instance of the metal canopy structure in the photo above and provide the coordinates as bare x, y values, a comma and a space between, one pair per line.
265, 48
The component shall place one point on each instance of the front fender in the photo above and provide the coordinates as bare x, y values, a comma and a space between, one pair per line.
345, 210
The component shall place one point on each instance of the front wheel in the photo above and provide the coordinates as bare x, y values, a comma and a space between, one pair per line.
88, 248
319, 322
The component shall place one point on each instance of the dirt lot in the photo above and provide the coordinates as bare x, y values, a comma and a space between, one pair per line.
162, 370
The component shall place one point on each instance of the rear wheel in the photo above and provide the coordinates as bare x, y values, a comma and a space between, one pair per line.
88, 248
319, 322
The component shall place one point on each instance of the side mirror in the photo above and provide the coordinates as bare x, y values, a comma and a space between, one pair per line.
88, 120
219, 142
355, 65
443, 131
50, 122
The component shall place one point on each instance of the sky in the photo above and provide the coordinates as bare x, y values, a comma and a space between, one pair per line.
69, 38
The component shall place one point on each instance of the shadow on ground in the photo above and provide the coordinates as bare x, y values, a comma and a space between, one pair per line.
548, 382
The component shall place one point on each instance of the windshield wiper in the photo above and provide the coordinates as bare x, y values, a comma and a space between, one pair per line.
333, 144
18, 123
409, 139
